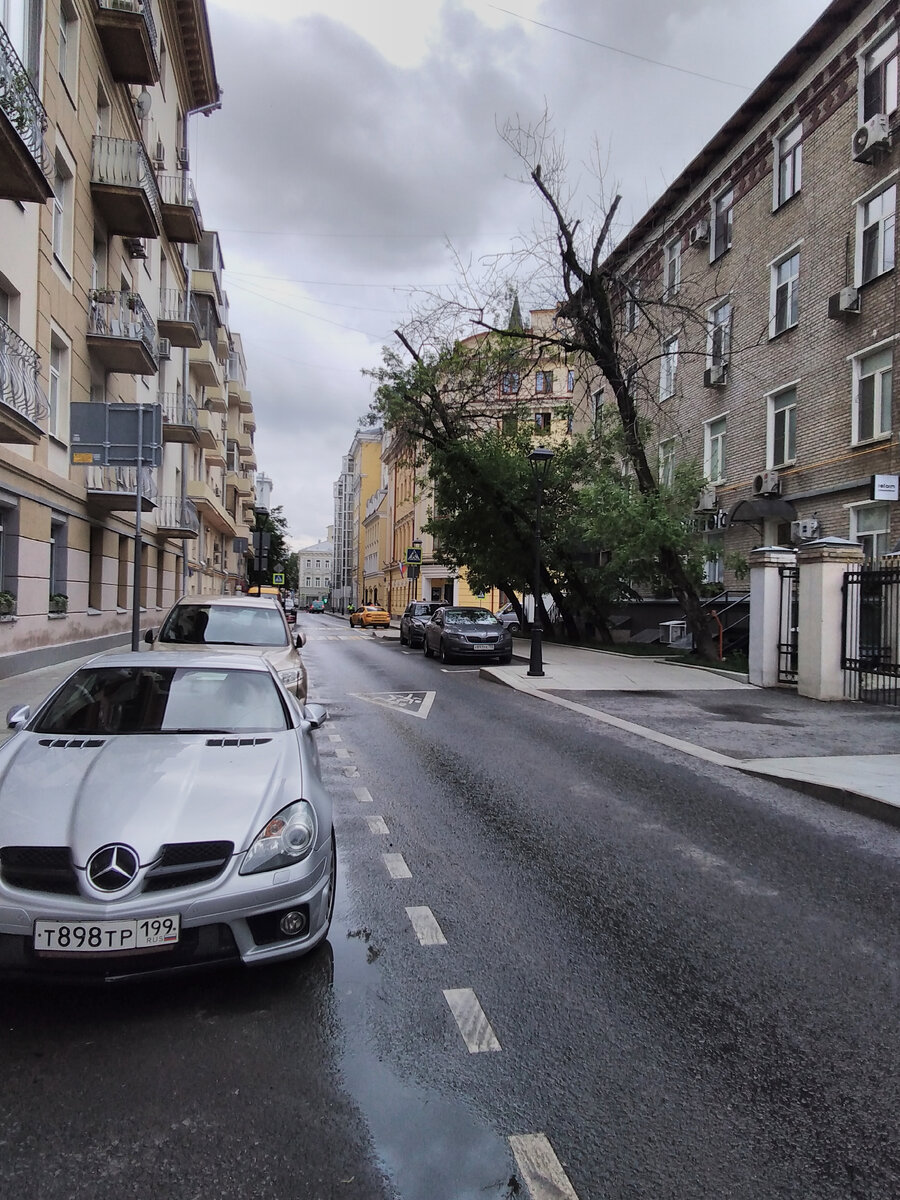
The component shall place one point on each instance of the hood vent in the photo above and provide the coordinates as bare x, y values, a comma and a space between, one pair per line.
71, 743
236, 741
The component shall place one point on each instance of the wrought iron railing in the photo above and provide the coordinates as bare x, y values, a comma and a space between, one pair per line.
121, 315
179, 189
123, 163
19, 370
870, 630
174, 512
178, 409
175, 306
21, 103
121, 481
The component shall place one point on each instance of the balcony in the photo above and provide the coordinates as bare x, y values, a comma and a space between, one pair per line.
177, 518
128, 35
212, 436
215, 400
180, 210
114, 489
241, 482
23, 404
24, 161
208, 499
205, 365
121, 334
245, 445
180, 423
179, 319
124, 189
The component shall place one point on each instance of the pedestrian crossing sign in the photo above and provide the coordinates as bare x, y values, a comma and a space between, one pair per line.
278, 580
414, 556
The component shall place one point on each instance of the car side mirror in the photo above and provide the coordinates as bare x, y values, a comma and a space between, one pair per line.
300, 640
18, 715
150, 637
315, 714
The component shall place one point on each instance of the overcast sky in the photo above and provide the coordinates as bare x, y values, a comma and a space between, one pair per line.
357, 142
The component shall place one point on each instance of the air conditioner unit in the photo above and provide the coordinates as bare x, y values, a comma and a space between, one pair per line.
164, 350
182, 159
767, 483
706, 501
699, 234
716, 375
804, 531
869, 138
844, 301
159, 156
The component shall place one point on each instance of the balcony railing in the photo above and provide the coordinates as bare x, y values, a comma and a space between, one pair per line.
115, 488
22, 402
22, 178
181, 211
173, 514
179, 318
179, 417
124, 187
121, 332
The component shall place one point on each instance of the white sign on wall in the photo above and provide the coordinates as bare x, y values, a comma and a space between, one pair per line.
886, 487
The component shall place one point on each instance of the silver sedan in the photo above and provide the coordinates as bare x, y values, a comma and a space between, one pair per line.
162, 811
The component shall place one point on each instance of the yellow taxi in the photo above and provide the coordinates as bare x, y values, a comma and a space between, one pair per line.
370, 616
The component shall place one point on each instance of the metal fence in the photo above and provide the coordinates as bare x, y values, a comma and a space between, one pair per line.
870, 632
788, 621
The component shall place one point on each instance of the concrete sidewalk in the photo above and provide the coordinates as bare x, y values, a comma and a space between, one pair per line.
842, 751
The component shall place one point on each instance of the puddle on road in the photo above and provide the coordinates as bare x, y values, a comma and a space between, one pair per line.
431, 1146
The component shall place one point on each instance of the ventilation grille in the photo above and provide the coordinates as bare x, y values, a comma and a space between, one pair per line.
71, 743
238, 741
39, 869
186, 863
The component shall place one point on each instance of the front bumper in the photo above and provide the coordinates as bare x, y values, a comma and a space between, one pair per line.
233, 919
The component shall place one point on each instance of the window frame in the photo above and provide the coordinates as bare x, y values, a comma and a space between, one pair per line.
667, 451
709, 439
882, 506
671, 268
67, 56
721, 222
857, 361
721, 357
543, 421
62, 232
879, 58
772, 413
787, 157
668, 367
885, 244
510, 383
792, 294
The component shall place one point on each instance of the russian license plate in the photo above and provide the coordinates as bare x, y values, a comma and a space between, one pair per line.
485, 647
105, 937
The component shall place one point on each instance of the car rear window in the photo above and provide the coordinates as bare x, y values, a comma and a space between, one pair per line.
224, 625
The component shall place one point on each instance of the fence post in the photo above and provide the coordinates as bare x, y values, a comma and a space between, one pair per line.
765, 611
822, 565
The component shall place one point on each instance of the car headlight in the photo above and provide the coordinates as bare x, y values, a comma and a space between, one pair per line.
285, 839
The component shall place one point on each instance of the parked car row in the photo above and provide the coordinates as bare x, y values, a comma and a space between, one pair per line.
176, 814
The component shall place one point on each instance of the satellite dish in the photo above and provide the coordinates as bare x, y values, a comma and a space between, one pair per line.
142, 103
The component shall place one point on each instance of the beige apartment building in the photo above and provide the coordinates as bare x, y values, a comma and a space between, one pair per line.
761, 289
111, 304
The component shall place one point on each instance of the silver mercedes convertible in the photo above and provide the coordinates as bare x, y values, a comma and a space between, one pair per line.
163, 811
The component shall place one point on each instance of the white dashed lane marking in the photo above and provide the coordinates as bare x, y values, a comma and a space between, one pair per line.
363, 795
377, 825
540, 1168
473, 1024
425, 927
396, 865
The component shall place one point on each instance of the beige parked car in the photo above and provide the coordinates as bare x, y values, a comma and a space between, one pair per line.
255, 624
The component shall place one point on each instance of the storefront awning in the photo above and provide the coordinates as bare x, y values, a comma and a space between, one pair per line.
761, 508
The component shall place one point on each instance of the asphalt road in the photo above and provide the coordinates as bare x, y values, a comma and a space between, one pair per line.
658, 978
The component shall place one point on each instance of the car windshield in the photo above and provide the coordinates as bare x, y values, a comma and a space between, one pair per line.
224, 625
106, 700
467, 616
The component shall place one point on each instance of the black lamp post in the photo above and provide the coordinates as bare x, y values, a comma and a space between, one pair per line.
540, 464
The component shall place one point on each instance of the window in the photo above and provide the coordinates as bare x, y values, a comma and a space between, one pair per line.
9, 544
633, 307
597, 398
570, 381
667, 463
509, 383
880, 79
667, 368
308, 581
543, 382
714, 565
722, 223
68, 45
59, 385
714, 437
872, 396
788, 164
782, 428
570, 421
63, 191
542, 421
58, 554
718, 337
785, 297
671, 268
870, 525
875, 234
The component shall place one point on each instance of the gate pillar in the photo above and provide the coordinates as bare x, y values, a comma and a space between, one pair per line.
822, 565
765, 612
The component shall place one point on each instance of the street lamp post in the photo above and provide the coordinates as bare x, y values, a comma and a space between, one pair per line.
540, 459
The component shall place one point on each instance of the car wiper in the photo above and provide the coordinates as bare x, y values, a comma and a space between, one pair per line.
192, 730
